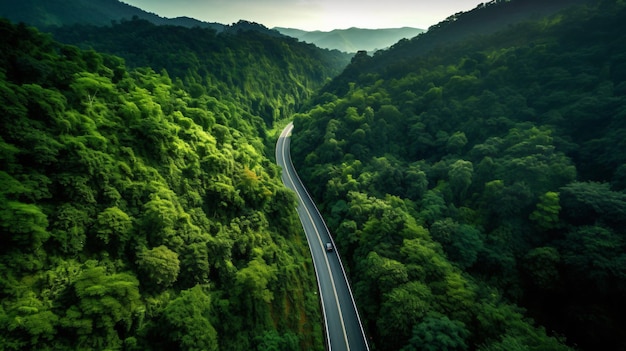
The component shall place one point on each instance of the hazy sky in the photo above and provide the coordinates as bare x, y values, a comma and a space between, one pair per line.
313, 14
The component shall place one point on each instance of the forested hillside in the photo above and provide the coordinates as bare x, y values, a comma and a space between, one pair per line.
486, 19
268, 75
57, 13
477, 191
140, 211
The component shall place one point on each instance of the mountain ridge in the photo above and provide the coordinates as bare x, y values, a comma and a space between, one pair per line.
56, 13
353, 39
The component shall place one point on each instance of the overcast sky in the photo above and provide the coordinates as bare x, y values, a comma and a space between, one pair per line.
313, 14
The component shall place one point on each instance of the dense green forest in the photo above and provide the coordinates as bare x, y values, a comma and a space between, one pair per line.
139, 210
477, 190
265, 73
474, 182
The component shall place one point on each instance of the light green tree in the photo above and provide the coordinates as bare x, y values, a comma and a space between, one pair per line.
187, 322
401, 309
159, 266
546, 215
113, 226
460, 175
107, 306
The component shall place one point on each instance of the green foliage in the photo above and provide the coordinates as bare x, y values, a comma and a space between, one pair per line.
31, 318
114, 227
595, 254
105, 303
141, 212
269, 75
460, 183
460, 175
186, 322
272, 341
70, 228
160, 266
542, 264
438, 333
587, 202
403, 307
254, 280
23, 224
547, 213
462, 242
489, 170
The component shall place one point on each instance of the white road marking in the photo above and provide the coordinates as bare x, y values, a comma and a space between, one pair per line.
332, 281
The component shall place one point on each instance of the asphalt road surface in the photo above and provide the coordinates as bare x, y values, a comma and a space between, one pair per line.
343, 326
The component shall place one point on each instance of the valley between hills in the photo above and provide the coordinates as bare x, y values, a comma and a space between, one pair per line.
472, 177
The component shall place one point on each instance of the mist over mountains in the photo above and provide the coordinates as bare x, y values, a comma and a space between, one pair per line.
353, 39
48, 14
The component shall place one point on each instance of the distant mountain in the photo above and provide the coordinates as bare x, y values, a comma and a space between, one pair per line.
486, 19
55, 13
353, 39
46, 14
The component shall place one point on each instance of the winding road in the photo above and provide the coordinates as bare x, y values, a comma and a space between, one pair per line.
343, 327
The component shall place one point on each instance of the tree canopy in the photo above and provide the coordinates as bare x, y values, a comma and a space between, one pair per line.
139, 209
485, 171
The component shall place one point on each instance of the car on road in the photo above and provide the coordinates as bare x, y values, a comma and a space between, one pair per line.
329, 247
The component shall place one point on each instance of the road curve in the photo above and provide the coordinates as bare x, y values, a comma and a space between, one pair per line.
344, 330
